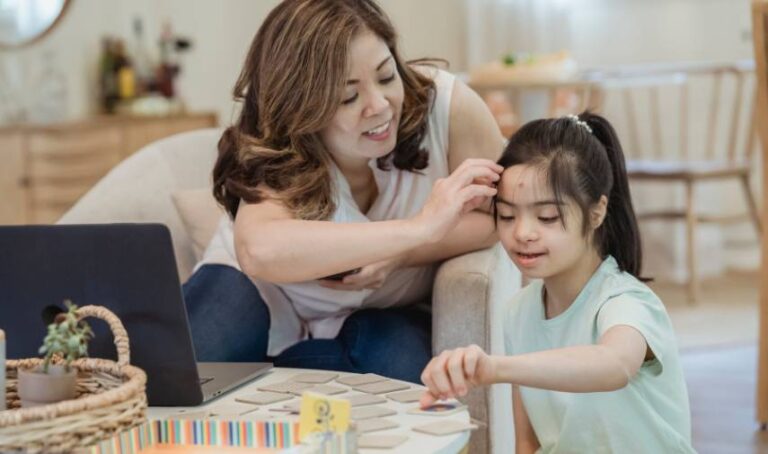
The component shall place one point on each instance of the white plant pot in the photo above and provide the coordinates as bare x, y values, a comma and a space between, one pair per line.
38, 388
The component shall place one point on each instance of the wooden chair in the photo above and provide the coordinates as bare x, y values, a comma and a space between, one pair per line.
686, 124
760, 40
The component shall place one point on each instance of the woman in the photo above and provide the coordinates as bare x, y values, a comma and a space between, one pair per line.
344, 159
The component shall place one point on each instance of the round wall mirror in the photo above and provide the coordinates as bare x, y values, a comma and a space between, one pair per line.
23, 22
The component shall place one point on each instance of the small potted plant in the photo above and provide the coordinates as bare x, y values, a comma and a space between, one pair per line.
47, 383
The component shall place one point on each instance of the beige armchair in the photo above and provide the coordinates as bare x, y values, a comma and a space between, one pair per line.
469, 294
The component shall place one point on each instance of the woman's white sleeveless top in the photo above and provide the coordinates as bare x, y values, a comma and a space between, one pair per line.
305, 309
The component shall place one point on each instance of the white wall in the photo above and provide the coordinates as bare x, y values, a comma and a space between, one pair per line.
431, 28
604, 32
637, 31
75, 42
221, 32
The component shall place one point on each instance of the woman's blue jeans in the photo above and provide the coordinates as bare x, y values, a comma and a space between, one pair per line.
230, 322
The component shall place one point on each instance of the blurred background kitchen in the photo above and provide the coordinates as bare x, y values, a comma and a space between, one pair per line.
86, 83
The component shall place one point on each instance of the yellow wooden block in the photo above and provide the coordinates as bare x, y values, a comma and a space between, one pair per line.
320, 413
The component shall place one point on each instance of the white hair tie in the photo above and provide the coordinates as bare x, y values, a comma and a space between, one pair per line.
582, 123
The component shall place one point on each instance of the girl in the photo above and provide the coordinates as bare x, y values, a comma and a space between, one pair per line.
590, 350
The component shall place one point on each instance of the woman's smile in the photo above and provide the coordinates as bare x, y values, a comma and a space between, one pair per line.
380, 132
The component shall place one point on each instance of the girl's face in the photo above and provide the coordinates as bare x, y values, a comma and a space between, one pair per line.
530, 227
365, 125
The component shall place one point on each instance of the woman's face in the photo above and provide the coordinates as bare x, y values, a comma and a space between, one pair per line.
365, 125
530, 227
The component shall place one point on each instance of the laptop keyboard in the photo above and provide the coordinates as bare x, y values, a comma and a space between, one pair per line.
204, 380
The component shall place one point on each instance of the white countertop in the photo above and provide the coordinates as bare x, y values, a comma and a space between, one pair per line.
225, 407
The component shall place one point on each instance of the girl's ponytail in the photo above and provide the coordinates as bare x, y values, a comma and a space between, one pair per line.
619, 235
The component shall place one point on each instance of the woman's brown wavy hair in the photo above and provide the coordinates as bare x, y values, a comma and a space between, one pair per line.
290, 87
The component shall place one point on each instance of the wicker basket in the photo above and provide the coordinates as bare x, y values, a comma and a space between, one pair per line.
110, 399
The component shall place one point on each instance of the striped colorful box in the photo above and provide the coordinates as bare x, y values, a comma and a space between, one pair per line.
277, 435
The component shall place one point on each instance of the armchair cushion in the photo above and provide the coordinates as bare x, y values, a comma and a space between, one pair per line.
139, 189
200, 215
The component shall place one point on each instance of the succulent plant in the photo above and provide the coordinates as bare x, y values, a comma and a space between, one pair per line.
67, 337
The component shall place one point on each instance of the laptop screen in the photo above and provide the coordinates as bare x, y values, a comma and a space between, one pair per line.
129, 269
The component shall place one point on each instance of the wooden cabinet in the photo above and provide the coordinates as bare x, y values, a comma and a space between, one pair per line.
44, 170
11, 177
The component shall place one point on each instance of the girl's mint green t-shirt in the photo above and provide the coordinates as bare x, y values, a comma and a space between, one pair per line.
650, 415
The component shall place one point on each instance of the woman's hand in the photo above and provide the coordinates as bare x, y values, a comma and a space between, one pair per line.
467, 188
453, 372
369, 277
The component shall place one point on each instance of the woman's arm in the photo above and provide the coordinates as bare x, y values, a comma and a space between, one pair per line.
526, 441
473, 133
474, 231
271, 245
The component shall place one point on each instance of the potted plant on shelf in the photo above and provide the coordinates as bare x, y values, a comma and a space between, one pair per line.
47, 383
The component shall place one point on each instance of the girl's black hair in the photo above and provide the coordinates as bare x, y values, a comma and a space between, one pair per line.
583, 160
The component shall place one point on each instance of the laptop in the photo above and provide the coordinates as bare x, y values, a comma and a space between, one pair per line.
129, 269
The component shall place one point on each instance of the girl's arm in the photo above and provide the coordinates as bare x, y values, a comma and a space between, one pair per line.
526, 441
607, 366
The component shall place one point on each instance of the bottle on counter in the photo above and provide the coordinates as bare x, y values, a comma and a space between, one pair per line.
107, 76
168, 67
143, 64
126, 77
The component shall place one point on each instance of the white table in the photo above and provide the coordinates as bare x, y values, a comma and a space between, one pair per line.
417, 443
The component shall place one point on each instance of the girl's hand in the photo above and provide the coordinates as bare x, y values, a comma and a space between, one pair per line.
453, 372
467, 188
369, 277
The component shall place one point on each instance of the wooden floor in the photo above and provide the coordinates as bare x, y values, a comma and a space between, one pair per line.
721, 385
